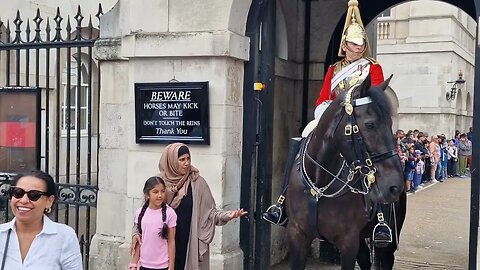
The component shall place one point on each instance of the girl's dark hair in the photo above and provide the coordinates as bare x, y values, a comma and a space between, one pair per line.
45, 177
149, 185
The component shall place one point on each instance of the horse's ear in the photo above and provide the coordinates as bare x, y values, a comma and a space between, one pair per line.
368, 81
385, 83
366, 84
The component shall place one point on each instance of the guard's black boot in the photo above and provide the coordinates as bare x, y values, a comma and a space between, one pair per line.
382, 235
276, 214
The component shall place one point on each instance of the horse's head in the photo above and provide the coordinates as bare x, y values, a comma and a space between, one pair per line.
362, 133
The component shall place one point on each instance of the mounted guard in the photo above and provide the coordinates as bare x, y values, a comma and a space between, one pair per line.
342, 76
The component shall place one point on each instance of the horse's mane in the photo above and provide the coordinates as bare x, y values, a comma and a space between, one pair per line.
382, 105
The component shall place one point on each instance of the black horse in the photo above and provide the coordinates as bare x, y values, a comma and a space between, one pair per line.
346, 167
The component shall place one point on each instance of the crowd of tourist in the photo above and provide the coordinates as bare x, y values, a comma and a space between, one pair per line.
435, 158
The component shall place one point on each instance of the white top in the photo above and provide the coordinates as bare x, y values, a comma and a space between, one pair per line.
452, 152
54, 248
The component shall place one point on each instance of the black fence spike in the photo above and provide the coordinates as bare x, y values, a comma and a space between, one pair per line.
38, 20
18, 22
58, 20
58, 12
79, 18
99, 12
48, 29
27, 30
79, 12
69, 29
90, 28
38, 16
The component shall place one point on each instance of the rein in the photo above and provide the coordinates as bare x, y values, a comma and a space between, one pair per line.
320, 192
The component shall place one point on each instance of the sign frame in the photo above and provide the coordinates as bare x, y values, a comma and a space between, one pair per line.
195, 94
36, 91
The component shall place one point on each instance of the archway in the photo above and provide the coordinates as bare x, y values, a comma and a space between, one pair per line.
264, 168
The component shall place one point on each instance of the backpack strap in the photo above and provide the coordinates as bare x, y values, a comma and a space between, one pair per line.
6, 249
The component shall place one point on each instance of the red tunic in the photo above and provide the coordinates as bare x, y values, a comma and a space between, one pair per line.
376, 75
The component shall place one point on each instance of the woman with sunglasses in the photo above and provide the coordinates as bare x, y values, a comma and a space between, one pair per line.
31, 240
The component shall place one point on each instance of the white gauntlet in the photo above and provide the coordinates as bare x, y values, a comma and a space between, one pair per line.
319, 110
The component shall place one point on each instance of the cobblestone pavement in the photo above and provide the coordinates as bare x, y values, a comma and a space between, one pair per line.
436, 230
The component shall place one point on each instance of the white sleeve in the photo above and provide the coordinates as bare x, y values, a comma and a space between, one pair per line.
71, 258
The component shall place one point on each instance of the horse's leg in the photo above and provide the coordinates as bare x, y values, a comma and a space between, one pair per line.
298, 245
386, 257
348, 247
363, 257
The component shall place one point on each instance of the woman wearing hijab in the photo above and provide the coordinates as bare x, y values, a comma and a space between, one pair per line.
188, 193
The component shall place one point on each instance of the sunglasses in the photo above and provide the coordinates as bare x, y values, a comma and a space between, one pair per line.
33, 195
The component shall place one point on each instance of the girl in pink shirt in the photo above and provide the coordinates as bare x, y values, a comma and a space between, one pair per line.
156, 224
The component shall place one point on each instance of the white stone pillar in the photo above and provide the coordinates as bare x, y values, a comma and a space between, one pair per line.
155, 41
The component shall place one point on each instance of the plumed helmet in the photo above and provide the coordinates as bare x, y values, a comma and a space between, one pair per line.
353, 30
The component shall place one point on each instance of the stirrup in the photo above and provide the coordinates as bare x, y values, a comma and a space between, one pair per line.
275, 214
382, 235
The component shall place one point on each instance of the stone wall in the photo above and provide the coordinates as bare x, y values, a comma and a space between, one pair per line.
133, 49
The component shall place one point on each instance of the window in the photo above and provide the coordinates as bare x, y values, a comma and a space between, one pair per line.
69, 117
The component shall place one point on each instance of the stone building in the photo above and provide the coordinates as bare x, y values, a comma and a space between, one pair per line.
436, 42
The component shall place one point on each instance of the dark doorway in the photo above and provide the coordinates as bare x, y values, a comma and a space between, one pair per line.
257, 148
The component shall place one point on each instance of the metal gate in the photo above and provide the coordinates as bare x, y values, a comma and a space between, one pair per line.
55, 56
257, 143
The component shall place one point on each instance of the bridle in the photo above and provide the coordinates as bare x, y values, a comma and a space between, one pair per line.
363, 163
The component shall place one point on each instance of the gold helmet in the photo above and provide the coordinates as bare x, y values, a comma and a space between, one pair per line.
353, 30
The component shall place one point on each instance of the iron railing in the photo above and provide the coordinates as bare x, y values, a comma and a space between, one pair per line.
64, 68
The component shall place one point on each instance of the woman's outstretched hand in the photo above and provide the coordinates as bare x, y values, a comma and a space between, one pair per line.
238, 213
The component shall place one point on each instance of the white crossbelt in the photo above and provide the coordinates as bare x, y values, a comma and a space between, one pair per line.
347, 71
